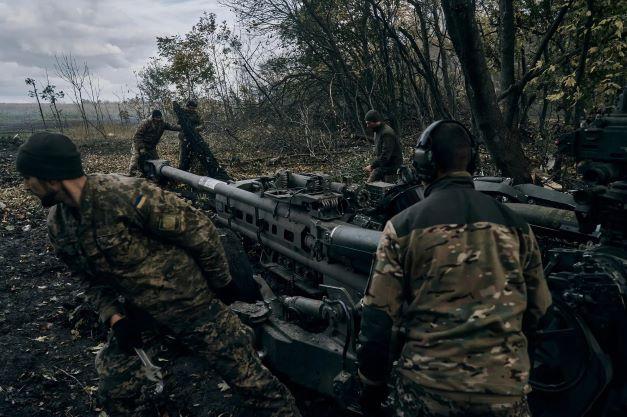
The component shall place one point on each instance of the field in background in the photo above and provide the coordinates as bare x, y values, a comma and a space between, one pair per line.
23, 118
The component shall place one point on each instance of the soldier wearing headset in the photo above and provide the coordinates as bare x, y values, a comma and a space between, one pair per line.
459, 277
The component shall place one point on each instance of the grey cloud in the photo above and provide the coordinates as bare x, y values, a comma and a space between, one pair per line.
114, 37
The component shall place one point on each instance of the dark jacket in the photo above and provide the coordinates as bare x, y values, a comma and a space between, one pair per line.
387, 149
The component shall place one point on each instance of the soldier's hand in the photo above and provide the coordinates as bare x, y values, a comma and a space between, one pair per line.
127, 335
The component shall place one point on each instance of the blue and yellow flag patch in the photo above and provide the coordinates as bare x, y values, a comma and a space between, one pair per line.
140, 201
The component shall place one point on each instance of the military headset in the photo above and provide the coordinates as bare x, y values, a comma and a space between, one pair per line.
424, 162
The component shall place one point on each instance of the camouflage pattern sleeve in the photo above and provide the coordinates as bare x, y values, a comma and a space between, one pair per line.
104, 296
141, 130
382, 305
174, 220
385, 289
168, 126
538, 295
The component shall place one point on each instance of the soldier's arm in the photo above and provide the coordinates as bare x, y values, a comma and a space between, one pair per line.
170, 218
538, 295
169, 126
141, 130
103, 296
387, 149
382, 304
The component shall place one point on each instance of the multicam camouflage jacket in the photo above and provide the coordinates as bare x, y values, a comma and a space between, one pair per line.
131, 241
459, 274
387, 149
149, 133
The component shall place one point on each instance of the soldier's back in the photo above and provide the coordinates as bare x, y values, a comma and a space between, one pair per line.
464, 276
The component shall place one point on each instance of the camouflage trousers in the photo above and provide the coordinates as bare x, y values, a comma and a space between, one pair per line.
223, 341
138, 157
409, 400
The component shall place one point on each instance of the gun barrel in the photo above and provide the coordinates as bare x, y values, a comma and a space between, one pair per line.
347, 251
355, 243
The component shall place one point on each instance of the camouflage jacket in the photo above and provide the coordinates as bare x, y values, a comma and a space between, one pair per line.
149, 134
458, 273
136, 245
387, 149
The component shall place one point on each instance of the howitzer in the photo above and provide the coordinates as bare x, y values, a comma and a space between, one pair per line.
319, 237
580, 357
317, 241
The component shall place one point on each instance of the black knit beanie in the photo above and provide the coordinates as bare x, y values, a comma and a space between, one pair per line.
373, 116
49, 156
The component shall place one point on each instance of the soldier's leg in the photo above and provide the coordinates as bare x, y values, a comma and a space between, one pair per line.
377, 174
185, 153
134, 164
227, 344
123, 389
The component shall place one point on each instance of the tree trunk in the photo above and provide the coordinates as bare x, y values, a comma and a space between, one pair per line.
502, 144
507, 44
448, 86
41, 112
581, 66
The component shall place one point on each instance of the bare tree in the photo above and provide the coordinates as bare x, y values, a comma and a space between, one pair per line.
93, 94
68, 70
85, 88
51, 95
35, 93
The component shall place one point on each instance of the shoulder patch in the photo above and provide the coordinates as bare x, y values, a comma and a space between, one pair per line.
140, 201
169, 222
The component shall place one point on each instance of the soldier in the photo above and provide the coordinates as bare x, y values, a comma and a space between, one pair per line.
460, 276
185, 155
155, 268
387, 149
145, 141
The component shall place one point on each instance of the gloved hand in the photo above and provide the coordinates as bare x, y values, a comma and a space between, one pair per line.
371, 399
127, 335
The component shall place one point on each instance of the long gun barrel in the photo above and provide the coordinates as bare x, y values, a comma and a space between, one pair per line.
304, 226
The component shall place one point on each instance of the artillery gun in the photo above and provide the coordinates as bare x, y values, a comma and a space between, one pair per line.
580, 355
316, 241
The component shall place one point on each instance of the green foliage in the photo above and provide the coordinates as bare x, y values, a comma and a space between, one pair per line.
183, 62
51, 95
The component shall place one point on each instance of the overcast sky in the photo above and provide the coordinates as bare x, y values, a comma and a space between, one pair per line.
114, 37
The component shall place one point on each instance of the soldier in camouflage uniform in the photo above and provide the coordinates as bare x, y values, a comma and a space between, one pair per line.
145, 141
459, 276
155, 268
387, 149
185, 154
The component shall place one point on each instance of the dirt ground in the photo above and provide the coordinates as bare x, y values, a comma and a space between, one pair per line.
48, 334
